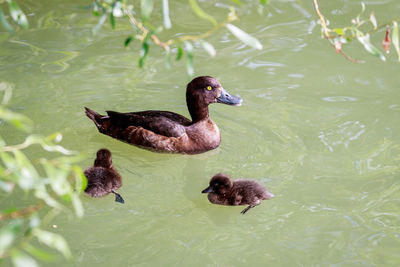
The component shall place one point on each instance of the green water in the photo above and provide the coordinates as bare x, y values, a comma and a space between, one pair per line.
321, 133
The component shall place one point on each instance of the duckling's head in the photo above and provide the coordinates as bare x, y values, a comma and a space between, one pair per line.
103, 158
220, 184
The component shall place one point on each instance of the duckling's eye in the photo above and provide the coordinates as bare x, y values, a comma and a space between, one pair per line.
209, 88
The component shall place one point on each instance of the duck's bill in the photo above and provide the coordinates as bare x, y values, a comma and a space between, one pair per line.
207, 190
226, 98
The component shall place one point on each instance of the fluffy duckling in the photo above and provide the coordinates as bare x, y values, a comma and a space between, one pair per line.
102, 177
225, 191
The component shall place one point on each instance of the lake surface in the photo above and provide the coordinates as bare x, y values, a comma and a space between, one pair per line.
321, 133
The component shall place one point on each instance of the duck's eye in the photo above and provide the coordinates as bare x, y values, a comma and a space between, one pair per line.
209, 88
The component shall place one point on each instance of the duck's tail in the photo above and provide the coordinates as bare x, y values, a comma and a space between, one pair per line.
118, 197
95, 117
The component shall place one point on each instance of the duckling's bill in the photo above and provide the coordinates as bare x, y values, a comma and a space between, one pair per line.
207, 190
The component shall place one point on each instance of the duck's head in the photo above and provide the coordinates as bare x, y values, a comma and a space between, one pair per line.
205, 90
219, 184
103, 158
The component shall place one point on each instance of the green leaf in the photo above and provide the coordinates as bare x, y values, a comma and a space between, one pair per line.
77, 204
201, 13
8, 234
373, 20
395, 38
166, 19
9, 162
81, 180
143, 53
128, 40
339, 31
99, 24
244, 37
6, 186
179, 53
17, 14
28, 176
189, 58
263, 2
209, 48
19, 121
5, 23
364, 40
38, 253
20, 259
53, 240
146, 7
112, 20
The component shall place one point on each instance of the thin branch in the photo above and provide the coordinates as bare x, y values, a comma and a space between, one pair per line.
327, 36
22, 213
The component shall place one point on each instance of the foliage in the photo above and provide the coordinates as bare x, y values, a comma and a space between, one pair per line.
147, 34
47, 184
338, 36
16, 14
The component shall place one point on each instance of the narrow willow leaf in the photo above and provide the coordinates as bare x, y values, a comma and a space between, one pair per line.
112, 20
189, 58
20, 259
99, 24
395, 38
53, 241
201, 13
28, 176
373, 20
179, 53
339, 31
244, 37
77, 204
8, 234
38, 253
167, 20
81, 180
143, 53
263, 2
364, 40
17, 15
146, 7
17, 120
209, 48
5, 23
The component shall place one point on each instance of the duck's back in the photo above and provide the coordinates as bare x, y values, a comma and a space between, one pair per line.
101, 181
246, 192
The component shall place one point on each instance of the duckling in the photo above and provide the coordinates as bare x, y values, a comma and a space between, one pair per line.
102, 177
225, 191
165, 131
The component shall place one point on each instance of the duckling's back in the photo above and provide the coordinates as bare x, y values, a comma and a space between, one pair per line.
102, 181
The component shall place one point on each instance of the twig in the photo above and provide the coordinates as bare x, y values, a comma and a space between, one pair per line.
327, 36
22, 213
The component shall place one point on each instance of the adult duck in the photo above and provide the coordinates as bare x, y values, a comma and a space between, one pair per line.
165, 131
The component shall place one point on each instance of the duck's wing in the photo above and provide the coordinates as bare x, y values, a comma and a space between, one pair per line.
164, 123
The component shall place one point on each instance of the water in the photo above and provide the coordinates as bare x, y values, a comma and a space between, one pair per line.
319, 132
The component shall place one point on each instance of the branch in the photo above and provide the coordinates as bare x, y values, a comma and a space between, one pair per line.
22, 213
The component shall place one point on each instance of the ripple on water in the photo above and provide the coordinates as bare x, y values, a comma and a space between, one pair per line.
340, 99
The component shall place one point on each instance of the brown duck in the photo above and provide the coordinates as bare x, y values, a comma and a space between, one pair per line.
102, 177
225, 191
165, 131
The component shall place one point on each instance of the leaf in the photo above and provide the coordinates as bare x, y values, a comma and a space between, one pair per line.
53, 240
168, 59
146, 7
20, 259
38, 253
244, 37
99, 24
364, 40
19, 121
339, 31
179, 53
77, 204
263, 2
143, 53
166, 19
81, 180
28, 176
17, 14
8, 234
209, 48
128, 40
6, 186
201, 13
189, 58
5, 23
373, 20
112, 20
395, 38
